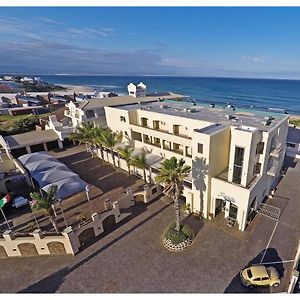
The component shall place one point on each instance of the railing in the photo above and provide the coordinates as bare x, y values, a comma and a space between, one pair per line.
276, 149
164, 131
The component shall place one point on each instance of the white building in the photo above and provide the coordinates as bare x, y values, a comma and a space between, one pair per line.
236, 156
92, 110
293, 142
137, 90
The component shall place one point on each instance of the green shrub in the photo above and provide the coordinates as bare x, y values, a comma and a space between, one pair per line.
178, 237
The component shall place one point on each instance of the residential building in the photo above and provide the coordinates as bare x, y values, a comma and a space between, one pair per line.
236, 156
293, 142
138, 90
92, 110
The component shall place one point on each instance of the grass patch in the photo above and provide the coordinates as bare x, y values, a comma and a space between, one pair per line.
295, 122
178, 237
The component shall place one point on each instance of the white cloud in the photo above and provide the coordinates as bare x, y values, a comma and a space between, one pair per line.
258, 59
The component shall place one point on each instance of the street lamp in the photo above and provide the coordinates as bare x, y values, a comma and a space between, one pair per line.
62, 212
88, 197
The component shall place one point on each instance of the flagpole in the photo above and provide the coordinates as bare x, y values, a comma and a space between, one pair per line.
37, 223
5, 219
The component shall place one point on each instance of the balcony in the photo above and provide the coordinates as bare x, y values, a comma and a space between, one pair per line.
276, 150
178, 151
180, 139
272, 170
148, 142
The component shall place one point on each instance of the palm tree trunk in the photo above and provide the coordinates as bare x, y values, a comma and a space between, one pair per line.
128, 166
51, 219
145, 177
119, 160
177, 213
107, 155
113, 156
101, 151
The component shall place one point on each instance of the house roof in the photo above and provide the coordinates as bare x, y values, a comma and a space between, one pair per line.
30, 138
293, 135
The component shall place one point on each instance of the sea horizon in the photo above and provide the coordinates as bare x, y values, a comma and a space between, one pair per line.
240, 92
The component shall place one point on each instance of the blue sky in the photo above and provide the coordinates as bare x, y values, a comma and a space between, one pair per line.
194, 41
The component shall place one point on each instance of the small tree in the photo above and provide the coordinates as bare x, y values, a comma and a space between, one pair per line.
83, 134
140, 162
45, 203
126, 155
171, 175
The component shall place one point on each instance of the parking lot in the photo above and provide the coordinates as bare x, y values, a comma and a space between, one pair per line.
132, 259
105, 183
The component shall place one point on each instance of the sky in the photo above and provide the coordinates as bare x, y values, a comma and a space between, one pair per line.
178, 41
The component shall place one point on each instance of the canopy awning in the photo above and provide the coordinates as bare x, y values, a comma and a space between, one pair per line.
33, 157
67, 187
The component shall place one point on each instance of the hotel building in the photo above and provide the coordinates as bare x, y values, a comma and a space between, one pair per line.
236, 155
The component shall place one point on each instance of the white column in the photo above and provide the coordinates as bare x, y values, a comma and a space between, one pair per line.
28, 149
60, 144
45, 146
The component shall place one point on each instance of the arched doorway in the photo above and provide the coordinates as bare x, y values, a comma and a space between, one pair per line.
109, 223
86, 235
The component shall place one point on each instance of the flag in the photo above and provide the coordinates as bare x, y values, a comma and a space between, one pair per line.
4, 200
32, 203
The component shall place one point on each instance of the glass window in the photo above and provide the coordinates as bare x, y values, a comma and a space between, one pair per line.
238, 165
265, 278
291, 145
256, 279
200, 148
260, 148
90, 114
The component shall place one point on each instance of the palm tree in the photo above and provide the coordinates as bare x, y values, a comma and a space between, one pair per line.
45, 203
109, 139
83, 134
140, 162
126, 155
97, 131
171, 175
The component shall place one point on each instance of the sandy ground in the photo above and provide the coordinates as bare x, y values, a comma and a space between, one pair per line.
78, 89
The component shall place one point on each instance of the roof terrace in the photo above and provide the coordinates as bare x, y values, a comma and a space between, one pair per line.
246, 119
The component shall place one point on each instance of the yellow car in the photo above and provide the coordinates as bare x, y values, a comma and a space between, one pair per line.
259, 275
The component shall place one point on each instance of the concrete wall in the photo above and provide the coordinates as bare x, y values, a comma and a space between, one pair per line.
38, 244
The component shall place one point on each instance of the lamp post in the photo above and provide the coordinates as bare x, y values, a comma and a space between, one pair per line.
88, 197
62, 212
31, 204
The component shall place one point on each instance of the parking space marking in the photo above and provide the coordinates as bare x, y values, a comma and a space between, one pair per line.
269, 242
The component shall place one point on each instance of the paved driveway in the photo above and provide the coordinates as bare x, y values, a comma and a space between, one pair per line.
131, 258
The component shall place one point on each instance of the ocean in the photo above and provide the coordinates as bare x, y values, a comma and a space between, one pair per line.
244, 93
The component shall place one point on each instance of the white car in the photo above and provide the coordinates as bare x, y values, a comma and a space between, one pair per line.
19, 202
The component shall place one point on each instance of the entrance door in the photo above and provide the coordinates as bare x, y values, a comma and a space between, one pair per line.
220, 206
233, 211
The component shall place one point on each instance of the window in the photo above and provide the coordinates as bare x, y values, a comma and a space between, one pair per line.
291, 145
257, 168
265, 278
154, 191
200, 148
238, 165
187, 184
260, 148
257, 279
122, 119
90, 114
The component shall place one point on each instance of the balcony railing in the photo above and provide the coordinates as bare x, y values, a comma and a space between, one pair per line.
178, 151
164, 131
152, 144
272, 170
276, 150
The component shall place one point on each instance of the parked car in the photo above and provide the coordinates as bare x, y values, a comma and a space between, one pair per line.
19, 202
259, 275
